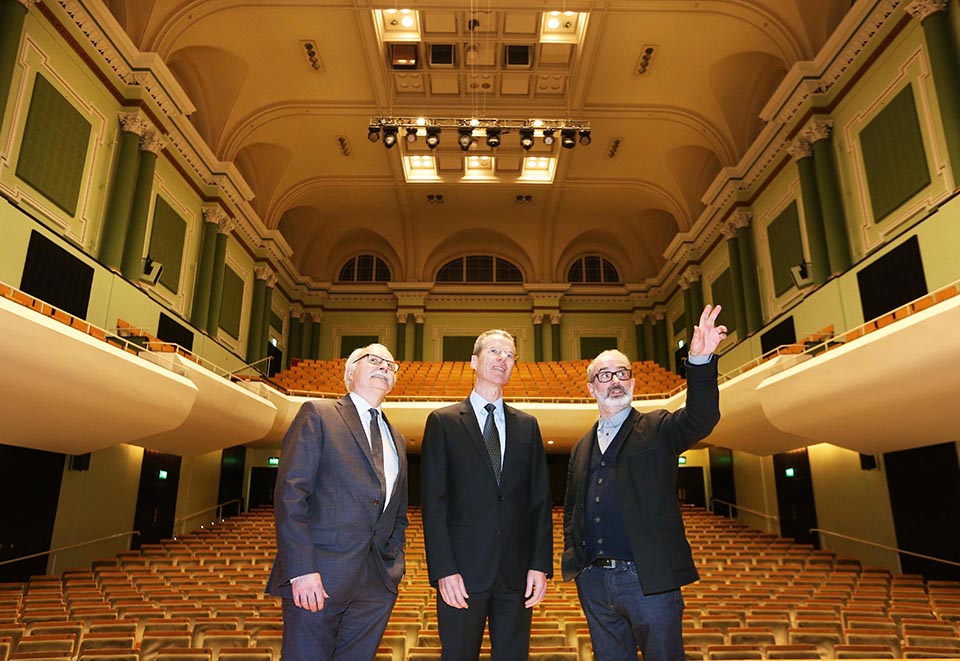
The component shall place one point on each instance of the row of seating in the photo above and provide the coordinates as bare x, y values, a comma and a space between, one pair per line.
200, 598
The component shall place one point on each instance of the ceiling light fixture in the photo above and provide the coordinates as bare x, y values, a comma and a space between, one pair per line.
526, 139
465, 137
471, 129
390, 135
433, 137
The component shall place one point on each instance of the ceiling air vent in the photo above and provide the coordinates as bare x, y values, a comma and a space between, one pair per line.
518, 56
442, 55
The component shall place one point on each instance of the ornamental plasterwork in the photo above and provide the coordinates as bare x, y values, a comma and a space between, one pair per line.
213, 214
921, 9
800, 148
262, 272
818, 129
741, 218
133, 122
152, 142
272, 279
296, 312
224, 225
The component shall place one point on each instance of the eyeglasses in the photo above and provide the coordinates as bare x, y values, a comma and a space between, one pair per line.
494, 352
377, 361
623, 374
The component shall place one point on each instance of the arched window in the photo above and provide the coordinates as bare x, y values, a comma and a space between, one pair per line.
364, 268
593, 269
479, 268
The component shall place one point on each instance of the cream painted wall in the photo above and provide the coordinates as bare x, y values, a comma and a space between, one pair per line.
96, 503
197, 491
756, 490
852, 502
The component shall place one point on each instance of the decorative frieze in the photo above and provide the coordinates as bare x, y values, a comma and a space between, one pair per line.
921, 9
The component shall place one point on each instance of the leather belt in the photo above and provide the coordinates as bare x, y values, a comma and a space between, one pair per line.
609, 563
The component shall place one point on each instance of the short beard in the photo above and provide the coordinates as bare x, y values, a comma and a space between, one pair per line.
621, 400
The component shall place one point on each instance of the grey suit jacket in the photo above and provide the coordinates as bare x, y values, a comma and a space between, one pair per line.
327, 506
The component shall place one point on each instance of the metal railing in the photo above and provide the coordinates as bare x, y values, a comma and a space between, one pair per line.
730, 506
218, 508
867, 542
54, 552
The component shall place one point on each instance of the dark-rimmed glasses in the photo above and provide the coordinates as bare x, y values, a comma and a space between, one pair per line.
623, 374
376, 361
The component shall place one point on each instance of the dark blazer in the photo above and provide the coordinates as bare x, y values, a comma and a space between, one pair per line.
327, 503
646, 474
470, 525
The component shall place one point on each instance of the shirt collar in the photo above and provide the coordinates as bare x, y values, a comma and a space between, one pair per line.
363, 406
478, 402
614, 421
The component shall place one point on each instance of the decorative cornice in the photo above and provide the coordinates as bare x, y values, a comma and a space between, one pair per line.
152, 142
818, 129
800, 149
921, 9
133, 122
262, 272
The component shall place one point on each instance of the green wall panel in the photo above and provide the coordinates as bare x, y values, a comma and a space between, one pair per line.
166, 243
590, 347
893, 155
722, 291
231, 304
54, 147
786, 247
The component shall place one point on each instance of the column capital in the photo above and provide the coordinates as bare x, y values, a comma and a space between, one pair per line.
262, 272
133, 122
316, 316
729, 230
224, 225
693, 274
537, 318
402, 317
213, 214
296, 312
27, 3
639, 317
152, 142
818, 129
800, 148
921, 9
659, 315
419, 317
555, 318
272, 279
740, 219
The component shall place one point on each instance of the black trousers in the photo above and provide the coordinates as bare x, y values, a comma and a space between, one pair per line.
461, 629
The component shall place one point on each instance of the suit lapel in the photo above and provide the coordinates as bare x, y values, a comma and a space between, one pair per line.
352, 420
511, 425
625, 430
469, 420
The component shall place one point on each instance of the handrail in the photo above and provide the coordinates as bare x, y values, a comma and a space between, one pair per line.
218, 507
252, 365
762, 515
70, 546
884, 546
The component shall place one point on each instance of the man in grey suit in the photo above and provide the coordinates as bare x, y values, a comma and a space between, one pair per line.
340, 506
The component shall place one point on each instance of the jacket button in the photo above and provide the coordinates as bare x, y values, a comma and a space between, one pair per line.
376, 501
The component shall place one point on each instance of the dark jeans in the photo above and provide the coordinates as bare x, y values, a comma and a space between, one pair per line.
622, 619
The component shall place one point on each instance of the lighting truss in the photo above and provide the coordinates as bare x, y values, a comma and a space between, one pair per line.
490, 129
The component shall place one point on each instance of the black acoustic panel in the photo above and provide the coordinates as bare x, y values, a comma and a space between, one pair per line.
54, 275
170, 330
782, 333
894, 279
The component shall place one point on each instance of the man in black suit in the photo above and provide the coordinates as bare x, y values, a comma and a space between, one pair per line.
486, 512
340, 506
623, 535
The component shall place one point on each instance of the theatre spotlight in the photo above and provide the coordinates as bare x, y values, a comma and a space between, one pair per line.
526, 139
548, 136
433, 136
390, 135
493, 137
373, 132
568, 138
465, 137
411, 135
584, 137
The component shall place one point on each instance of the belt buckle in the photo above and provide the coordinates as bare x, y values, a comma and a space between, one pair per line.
606, 563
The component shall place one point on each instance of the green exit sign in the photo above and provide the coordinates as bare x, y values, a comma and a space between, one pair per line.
162, 474
273, 461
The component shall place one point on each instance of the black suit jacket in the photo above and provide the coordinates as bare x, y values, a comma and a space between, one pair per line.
470, 525
646, 474
327, 506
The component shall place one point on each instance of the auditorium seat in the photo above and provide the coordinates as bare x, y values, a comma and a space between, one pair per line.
736, 652
802, 651
854, 651
186, 654
245, 654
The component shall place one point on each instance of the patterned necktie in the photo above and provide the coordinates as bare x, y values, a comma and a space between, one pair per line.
376, 445
491, 438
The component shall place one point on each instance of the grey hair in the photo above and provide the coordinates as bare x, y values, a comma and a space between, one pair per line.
349, 367
592, 367
478, 345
